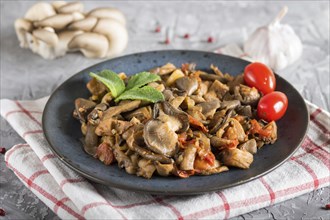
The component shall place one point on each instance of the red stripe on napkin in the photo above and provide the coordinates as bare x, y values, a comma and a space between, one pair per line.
75, 180
226, 205
27, 113
32, 132
175, 211
310, 171
60, 203
20, 111
317, 122
43, 192
95, 204
47, 156
17, 147
269, 189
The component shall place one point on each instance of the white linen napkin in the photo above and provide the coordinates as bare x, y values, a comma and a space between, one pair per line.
71, 196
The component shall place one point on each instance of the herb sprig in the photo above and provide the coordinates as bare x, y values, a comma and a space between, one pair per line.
136, 89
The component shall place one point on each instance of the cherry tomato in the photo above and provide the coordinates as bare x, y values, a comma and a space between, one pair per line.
260, 76
272, 106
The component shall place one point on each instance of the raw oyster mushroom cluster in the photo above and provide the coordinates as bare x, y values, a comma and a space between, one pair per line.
53, 29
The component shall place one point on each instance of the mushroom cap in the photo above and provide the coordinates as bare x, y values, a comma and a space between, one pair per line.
21, 27
86, 24
116, 34
190, 85
92, 45
179, 115
108, 13
238, 128
40, 11
64, 38
71, 7
160, 138
57, 4
40, 47
46, 35
57, 22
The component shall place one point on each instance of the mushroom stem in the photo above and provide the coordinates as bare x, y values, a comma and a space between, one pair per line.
21, 27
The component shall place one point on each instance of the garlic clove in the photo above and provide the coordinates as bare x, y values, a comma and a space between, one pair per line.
276, 45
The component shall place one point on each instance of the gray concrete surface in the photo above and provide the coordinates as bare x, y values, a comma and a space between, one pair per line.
25, 75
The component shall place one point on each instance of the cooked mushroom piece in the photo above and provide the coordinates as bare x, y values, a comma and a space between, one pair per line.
247, 95
266, 134
163, 70
95, 115
174, 76
238, 129
230, 104
236, 82
164, 169
160, 138
146, 168
244, 110
112, 126
188, 67
221, 122
190, 85
97, 89
222, 143
237, 158
178, 114
177, 101
82, 108
219, 88
124, 161
189, 156
149, 154
249, 146
91, 140
142, 114
209, 108
116, 110
212, 77
216, 168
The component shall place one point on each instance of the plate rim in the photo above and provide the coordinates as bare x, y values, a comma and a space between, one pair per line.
162, 192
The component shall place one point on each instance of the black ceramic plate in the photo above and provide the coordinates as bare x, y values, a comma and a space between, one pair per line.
63, 132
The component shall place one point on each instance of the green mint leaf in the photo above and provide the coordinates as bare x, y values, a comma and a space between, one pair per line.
111, 80
146, 93
141, 79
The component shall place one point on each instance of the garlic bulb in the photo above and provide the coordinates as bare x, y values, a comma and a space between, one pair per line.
275, 45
